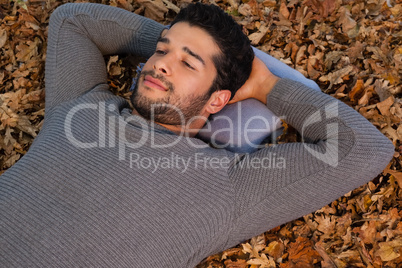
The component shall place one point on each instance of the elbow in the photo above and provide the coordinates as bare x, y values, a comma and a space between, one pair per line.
69, 10
374, 153
61, 12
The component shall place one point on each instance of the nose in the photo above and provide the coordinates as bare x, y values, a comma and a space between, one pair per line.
163, 66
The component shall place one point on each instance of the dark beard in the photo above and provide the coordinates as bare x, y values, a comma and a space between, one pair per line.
170, 110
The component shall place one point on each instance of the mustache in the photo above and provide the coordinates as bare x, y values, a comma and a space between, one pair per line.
152, 73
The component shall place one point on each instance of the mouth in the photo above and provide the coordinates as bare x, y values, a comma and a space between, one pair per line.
151, 82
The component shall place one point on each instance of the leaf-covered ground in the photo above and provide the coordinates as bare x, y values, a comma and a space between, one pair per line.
352, 49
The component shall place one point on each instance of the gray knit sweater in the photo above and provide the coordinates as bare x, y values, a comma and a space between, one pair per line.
100, 187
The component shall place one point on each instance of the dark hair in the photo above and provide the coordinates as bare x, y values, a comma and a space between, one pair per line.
234, 63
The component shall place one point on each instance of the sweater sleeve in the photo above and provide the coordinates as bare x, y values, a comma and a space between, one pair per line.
79, 36
340, 151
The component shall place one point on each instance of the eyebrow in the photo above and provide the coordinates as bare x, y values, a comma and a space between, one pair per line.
185, 49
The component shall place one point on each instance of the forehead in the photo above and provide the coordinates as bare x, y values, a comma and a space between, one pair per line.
183, 35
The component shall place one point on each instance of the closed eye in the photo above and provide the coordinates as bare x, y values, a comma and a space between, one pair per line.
160, 52
188, 65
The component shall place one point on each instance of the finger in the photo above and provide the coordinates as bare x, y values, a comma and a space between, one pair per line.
239, 96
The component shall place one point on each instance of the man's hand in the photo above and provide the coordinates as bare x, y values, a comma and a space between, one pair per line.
258, 85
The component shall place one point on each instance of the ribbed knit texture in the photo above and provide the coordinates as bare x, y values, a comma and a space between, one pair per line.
66, 206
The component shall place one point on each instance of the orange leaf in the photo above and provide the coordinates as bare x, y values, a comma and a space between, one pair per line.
284, 10
356, 91
301, 254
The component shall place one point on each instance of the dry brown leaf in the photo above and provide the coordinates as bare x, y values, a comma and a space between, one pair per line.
283, 21
253, 251
326, 224
347, 238
245, 10
275, 249
343, 224
3, 37
396, 174
345, 19
378, 54
11, 160
8, 141
392, 133
382, 88
312, 72
2, 75
335, 78
396, 10
262, 262
357, 91
255, 38
301, 254
322, 8
387, 251
171, 6
154, 9
27, 51
368, 93
327, 261
233, 252
284, 10
364, 253
385, 106
236, 264
300, 55
331, 58
26, 126
368, 232
356, 51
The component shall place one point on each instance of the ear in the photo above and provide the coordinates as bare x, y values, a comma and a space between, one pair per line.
217, 101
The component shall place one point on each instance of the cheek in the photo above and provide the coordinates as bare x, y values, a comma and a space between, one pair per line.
209, 79
148, 65
193, 85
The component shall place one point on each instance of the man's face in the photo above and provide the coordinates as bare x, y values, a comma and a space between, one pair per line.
175, 81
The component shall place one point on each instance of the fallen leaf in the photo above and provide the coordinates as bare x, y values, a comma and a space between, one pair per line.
171, 6
301, 254
154, 9
27, 51
326, 224
345, 19
245, 10
255, 38
385, 106
275, 249
357, 91
336, 77
367, 94
3, 37
327, 261
236, 264
331, 58
356, 51
387, 250
382, 88
396, 174
284, 10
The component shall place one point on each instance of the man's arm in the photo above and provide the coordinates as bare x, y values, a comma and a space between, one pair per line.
282, 70
243, 112
342, 151
79, 36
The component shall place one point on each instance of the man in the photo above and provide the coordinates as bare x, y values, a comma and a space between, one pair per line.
107, 186
193, 80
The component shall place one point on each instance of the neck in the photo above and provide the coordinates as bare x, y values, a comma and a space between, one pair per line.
189, 130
